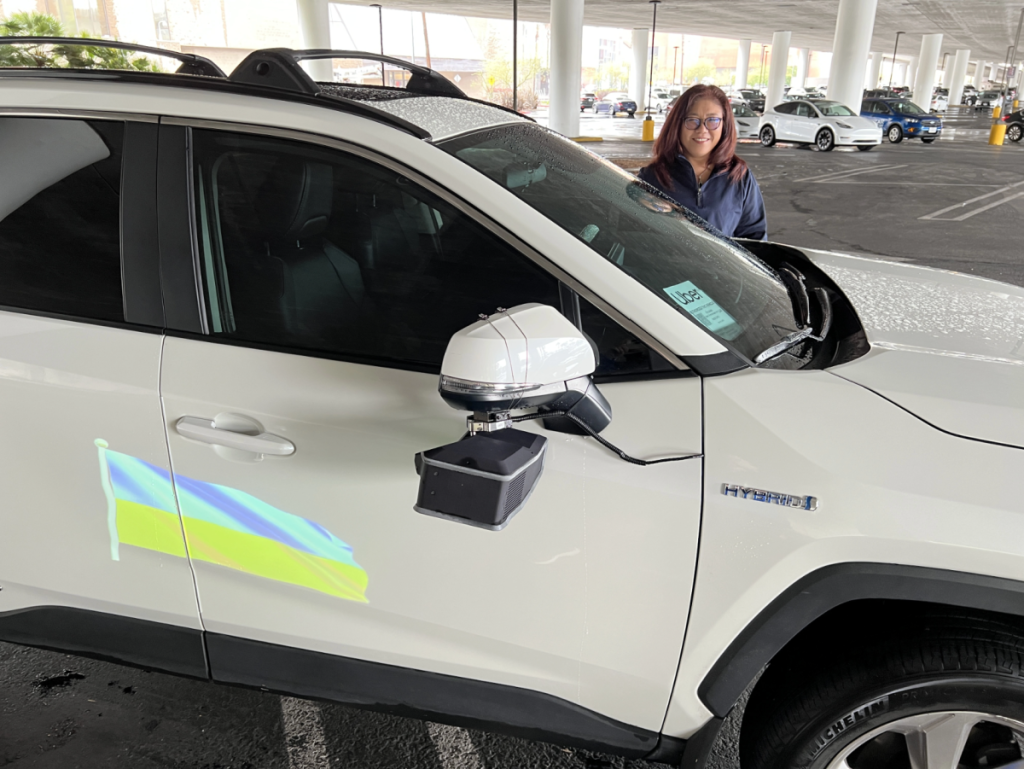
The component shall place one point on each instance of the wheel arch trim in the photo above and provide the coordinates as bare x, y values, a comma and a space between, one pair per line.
830, 587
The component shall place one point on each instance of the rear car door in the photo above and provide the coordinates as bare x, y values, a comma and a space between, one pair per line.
92, 557
331, 281
784, 119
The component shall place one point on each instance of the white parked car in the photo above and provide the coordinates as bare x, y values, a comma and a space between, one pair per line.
746, 119
660, 98
825, 124
673, 463
939, 103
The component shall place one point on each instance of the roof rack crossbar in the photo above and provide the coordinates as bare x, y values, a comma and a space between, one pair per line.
279, 68
191, 64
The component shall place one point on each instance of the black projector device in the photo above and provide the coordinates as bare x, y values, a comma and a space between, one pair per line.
483, 479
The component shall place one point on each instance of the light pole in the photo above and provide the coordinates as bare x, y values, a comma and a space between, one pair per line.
760, 78
675, 56
515, 55
895, 48
648, 129
380, 21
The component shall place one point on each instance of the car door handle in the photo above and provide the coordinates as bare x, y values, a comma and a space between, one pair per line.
206, 431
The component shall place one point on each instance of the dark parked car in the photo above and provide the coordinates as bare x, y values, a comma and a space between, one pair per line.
587, 101
754, 98
901, 119
615, 103
1014, 125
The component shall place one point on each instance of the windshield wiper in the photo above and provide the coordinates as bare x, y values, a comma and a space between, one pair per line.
795, 280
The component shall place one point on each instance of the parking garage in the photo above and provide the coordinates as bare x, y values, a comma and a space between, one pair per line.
953, 204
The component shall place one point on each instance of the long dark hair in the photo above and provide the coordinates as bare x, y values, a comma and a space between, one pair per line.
669, 144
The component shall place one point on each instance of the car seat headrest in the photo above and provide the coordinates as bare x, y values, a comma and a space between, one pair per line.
294, 202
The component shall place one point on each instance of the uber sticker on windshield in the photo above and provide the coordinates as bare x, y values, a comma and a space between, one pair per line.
700, 306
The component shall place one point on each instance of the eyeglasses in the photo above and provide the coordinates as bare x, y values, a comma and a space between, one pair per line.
712, 123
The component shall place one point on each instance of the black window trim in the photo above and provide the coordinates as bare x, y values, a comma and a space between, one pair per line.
138, 263
432, 186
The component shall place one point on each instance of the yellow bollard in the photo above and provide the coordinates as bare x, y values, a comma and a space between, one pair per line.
1016, 103
998, 134
996, 112
648, 132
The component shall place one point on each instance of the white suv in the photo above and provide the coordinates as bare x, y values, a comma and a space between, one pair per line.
226, 302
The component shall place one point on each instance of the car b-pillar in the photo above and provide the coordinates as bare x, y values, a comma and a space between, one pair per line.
566, 59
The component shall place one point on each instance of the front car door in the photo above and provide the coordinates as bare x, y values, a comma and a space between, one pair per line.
92, 557
332, 280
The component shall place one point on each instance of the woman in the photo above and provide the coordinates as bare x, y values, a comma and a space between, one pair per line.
695, 164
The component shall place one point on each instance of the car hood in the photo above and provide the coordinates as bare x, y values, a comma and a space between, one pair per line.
854, 121
945, 346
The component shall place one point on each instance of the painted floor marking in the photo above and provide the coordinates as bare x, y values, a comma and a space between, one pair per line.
303, 734
824, 178
984, 208
934, 215
455, 750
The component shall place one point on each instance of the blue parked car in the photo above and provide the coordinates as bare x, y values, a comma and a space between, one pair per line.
901, 119
614, 103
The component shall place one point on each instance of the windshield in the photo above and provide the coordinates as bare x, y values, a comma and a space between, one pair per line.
906, 107
681, 259
833, 109
740, 109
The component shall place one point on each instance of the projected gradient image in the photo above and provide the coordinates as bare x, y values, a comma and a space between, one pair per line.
223, 526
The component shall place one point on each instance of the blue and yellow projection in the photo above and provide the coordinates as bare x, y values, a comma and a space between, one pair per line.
223, 526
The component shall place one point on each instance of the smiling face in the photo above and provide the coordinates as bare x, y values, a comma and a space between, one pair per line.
698, 143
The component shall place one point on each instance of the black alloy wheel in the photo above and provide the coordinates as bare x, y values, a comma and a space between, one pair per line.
631, 115
949, 695
895, 134
825, 141
1014, 132
767, 136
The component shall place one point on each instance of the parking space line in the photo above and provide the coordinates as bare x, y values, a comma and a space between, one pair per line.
983, 208
454, 748
824, 178
947, 209
303, 734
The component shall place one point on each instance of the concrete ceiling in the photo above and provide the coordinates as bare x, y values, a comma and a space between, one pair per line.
986, 27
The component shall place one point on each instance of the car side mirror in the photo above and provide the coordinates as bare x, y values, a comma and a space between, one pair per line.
527, 358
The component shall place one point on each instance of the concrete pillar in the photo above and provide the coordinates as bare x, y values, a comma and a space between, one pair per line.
874, 70
855, 23
566, 58
984, 73
742, 64
315, 26
957, 77
803, 59
912, 73
901, 74
777, 70
931, 46
639, 72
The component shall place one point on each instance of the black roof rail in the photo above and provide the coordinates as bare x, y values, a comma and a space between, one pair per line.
279, 68
191, 64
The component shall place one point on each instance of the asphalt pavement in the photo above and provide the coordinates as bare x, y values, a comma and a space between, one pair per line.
957, 204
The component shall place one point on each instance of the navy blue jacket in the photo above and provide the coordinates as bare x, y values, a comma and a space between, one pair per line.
735, 208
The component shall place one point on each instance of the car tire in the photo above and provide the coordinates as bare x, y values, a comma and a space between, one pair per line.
1014, 132
767, 136
894, 134
928, 140
825, 141
865, 147
893, 696
631, 115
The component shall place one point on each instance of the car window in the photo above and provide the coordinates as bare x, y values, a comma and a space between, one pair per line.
317, 250
740, 109
60, 220
834, 109
906, 108
680, 259
786, 109
804, 110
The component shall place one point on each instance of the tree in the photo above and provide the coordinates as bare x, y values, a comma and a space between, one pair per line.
33, 24
699, 72
498, 82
